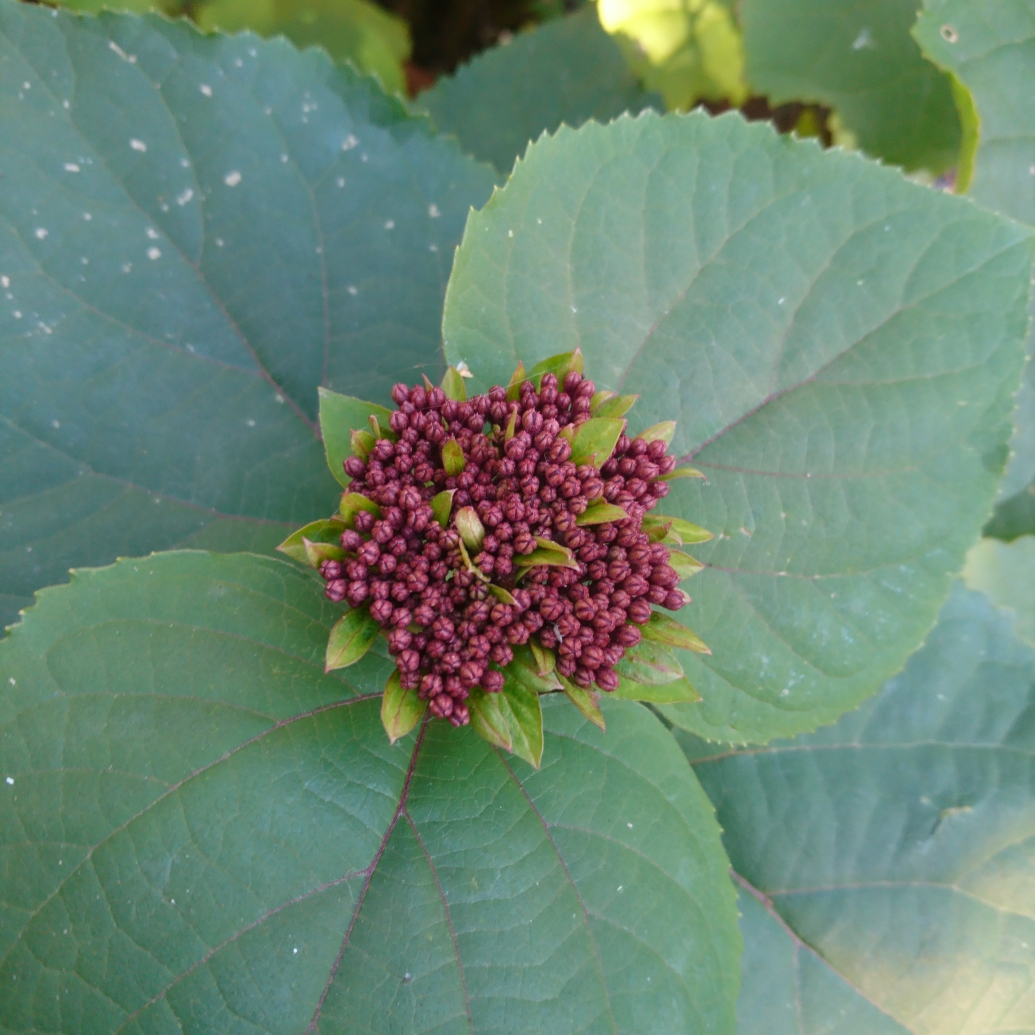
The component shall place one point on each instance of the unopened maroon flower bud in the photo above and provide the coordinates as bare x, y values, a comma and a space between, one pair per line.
335, 590
657, 594
331, 569
369, 552
592, 657
364, 521
524, 543
351, 540
381, 611
398, 640
607, 679
430, 685
357, 593
492, 681
441, 706
674, 600
408, 661
627, 636
401, 617
471, 672
639, 611
583, 677
354, 467
559, 451
501, 654
442, 629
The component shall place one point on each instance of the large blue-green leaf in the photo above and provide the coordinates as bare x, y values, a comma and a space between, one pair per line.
195, 233
858, 58
839, 346
202, 831
1005, 572
990, 47
568, 70
886, 862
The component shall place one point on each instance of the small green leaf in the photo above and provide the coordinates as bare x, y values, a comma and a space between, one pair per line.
650, 664
401, 709
560, 365
544, 557
549, 544
453, 458
379, 430
524, 717
317, 553
325, 531
501, 594
487, 719
453, 385
352, 636
662, 432
351, 503
599, 397
680, 531
361, 442
685, 566
516, 380
470, 527
594, 440
614, 405
511, 426
441, 505
600, 512
340, 416
587, 702
526, 669
679, 691
545, 659
470, 565
682, 472
663, 629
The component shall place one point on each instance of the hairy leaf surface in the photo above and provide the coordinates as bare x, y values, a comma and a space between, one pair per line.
886, 862
566, 71
201, 830
195, 233
859, 59
839, 347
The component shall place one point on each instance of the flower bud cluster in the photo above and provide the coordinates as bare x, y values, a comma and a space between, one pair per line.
453, 614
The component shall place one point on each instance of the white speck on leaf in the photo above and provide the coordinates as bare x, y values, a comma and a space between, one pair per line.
349, 143
41, 232
182, 199
65, 105
629, 825
87, 216
353, 290
55, 424
283, 157
10, 779
232, 179
71, 167
864, 41
433, 211
341, 181
510, 233
154, 253
184, 163
152, 233
432, 247
619, 887
206, 89
278, 398
390, 224
127, 267
219, 242
17, 314
138, 145
250, 423
5, 282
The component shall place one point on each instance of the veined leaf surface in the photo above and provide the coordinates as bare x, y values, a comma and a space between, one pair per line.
838, 346
202, 831
195, 233
886, 861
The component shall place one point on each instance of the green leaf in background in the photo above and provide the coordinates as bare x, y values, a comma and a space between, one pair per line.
1005, 573
203, 831
990, 48
566, 71
373, 39
195, 233
839, 347
172, 8
340, 415
687, 50
859, 59
886, 861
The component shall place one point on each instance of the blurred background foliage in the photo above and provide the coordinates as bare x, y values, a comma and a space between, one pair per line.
843, 71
